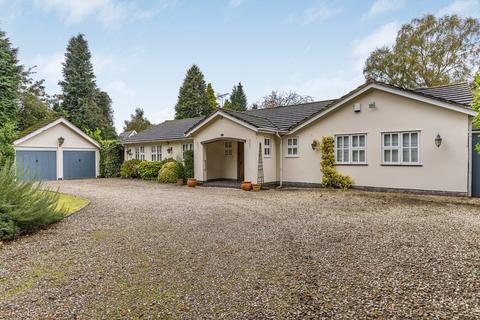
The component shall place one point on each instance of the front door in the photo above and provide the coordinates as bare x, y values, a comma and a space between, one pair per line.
475, 165
240, 162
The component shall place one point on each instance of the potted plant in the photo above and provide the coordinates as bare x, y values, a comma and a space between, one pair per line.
180, 182
246, 185
192, 182
256, 187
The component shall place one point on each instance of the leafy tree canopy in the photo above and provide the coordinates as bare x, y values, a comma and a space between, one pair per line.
283, 98
138, 121
428, 51
212, 99
192, 97
10, 80
238, 99
476, 100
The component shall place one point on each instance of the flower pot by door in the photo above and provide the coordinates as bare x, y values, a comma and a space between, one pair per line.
246, 185
192, 183
180, 182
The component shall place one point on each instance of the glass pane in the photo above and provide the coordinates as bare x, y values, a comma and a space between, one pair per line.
339, 156
295, 151
395, 139
406, 140
394, 155
339, 142
354, 155
414, 155
414, 139
345, 155
289, 151
362, 156
346, 141
386, 140
355, 141
386, 156
362, 141
406, 155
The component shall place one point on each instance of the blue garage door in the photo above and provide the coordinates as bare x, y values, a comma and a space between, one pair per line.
38, 165
78, 164
475, 165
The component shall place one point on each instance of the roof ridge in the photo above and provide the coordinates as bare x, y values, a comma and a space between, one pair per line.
442, 85
294, 105
250, 115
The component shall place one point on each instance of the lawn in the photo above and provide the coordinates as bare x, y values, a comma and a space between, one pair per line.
71, 203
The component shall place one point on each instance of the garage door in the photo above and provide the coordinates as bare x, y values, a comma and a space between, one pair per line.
40, 165
78, 164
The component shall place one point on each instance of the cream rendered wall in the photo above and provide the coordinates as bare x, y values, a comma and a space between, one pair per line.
269, 162
48, 139
442, 169
176, 146
222, 127
219, 165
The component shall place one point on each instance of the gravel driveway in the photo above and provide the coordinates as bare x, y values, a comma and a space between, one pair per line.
145, 250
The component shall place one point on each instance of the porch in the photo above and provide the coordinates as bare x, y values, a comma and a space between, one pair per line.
224, 160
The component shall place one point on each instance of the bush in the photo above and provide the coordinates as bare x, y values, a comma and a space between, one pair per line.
7, 135
111, 156
188, 164
170, 172
167, 160
24, 206
129, 169
149, 170
331, 178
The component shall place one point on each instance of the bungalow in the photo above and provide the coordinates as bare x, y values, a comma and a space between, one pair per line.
386, 137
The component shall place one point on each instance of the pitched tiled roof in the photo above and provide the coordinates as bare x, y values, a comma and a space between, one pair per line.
124, 135
168, 130
460, 93
252, 119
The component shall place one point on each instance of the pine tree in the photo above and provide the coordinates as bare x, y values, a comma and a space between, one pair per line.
104, 104
78, 85
192, 97
212, 99
10, 80
238, 98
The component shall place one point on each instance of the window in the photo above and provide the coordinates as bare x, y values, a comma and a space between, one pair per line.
140, 153
292, 147
401, 148
156, 153
228, 148
266, 147
351, 149
185, 147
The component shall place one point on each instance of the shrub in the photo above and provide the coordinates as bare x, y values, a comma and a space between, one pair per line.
111, 155
188, 164
167, 160
170, 172
331, 178
129, 169
24, 206
7, 135
149, 170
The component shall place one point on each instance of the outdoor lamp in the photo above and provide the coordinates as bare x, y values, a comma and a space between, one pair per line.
314, 145
61, 140
438, 140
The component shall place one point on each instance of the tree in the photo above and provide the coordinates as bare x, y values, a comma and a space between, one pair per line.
7, 135
10, 80
104, 104
137, 122
238, 99
78, 85
192, 96
428, 52
476, 101
35, 104
212, 99
284, 98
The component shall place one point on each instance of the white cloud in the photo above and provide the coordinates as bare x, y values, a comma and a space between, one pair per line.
236, 3
383, 36
384, 6
49, 67
322, 10
461, 7
120, 87
110, 13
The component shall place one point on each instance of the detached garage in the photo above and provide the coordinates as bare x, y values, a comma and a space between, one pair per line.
55, 151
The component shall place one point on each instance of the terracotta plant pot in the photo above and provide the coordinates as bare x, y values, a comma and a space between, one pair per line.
246, 185
179, 182
256, 187
192, 183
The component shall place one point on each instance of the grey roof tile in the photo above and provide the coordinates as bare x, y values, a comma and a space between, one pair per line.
168, 130
460, 93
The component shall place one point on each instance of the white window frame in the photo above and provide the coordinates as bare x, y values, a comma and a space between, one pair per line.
186, 147
157, 153
401, 148
141, 153
350, 149
293, 147
267, 148
228, 148
137, 153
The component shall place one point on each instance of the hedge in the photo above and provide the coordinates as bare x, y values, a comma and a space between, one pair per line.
149, 170
111, 157
170, 172
129, 169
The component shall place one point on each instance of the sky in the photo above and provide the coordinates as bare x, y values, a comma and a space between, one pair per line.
142, 49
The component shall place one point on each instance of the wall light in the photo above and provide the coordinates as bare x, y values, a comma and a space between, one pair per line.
314, 145
61, 140
438, 141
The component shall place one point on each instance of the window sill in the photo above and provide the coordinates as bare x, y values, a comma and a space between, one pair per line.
267, 157
352, 164
292, 156
401, 165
